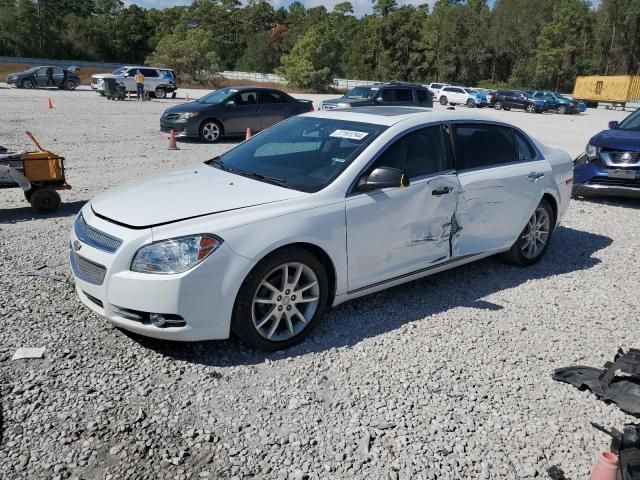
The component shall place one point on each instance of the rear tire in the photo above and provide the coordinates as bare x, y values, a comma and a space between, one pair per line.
443, 100
535, 238
271, 317
531, 108
70, 85
498, 105
562, 110
471, 103
160, 92
45, 200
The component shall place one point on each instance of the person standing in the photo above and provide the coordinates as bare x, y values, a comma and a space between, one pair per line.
139, 78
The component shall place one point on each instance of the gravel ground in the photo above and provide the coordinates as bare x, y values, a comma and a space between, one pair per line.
447, 377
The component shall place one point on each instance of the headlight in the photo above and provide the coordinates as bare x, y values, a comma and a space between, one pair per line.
187, 115
175, 255
591, 151
344, 105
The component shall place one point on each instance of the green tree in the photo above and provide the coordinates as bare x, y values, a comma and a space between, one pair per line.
313, 59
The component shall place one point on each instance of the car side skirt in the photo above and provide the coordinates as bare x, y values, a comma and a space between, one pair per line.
415, 275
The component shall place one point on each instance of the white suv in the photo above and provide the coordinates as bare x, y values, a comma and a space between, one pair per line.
454, 95
436, 87
157, 81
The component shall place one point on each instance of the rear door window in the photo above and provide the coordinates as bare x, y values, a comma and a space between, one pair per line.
403, 95
271, 96
481, 145
423, 96
526, 151
418, 153
149, 72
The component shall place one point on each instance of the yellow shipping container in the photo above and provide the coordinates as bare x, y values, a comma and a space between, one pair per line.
618, 89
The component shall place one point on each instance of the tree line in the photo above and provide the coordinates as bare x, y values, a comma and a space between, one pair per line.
523, 43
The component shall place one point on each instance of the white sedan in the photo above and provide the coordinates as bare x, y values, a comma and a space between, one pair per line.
317, 210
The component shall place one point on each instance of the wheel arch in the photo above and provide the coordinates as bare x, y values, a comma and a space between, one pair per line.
554, 205
320, 254
215, 119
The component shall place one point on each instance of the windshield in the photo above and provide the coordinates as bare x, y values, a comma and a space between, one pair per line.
361, 92
302, 153
217, 96
631, 123
32, 69
471, 90
119, 71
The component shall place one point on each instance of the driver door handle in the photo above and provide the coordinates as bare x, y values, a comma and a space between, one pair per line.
442, 191
533, 176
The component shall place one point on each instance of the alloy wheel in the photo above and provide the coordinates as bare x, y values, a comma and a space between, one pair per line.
210, 131
285, 301
536, 233
498, 106
160, 93
531, 108
26, 83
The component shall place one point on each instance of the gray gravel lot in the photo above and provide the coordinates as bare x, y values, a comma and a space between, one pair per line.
447, 377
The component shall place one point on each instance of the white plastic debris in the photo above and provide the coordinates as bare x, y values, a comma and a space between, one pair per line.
28, 353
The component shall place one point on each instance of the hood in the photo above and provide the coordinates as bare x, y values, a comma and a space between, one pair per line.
617, 140
186, 193
15, 74
349, 101
190, 107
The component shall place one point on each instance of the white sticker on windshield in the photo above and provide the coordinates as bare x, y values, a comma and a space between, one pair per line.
352, 134
375, 88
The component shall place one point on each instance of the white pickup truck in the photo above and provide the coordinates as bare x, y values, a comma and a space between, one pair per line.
157, 81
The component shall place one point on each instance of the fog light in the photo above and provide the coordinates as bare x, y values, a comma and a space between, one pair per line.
162, 320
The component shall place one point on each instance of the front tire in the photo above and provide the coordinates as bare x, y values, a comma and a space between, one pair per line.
531, 108
45, 200
210, 131
443, 100
498, 105
27, 83
281, 300
471, 103
534, 240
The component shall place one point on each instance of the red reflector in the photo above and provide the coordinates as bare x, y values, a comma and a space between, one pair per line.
311, 109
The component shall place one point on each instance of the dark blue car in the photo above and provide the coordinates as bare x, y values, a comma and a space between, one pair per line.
611, 162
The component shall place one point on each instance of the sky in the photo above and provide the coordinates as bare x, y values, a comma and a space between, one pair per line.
360, 7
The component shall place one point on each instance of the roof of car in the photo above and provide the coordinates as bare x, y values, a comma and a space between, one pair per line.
391, 115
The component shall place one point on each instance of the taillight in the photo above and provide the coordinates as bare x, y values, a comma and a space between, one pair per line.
311, 109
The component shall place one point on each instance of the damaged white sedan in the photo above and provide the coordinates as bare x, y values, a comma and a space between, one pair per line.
317, 210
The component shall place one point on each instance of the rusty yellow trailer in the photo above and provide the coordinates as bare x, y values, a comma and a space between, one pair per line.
617, 90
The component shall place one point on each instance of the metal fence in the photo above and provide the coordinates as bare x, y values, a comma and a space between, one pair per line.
340, 83
60, 63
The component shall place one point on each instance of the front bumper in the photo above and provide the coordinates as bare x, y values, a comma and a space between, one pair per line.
202, 296
594, 178
181, 128
12, 81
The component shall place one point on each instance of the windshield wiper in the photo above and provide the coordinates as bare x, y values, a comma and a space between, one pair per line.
219, 163
278, 181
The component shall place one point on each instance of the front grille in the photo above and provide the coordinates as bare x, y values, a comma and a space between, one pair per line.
614, 182
87, 270
96, 238
620, 158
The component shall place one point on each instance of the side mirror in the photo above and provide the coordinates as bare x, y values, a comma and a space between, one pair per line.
378, 100
613, 124
230, 104
383, 177
126, 74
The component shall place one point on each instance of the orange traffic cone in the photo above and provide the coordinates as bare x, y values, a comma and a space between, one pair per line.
128, 95
248, 134
172, 141
50, 104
